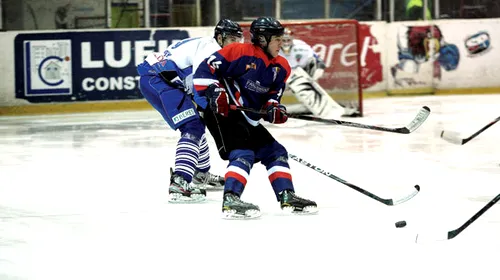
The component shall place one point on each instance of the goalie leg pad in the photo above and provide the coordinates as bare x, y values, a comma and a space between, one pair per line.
313, 96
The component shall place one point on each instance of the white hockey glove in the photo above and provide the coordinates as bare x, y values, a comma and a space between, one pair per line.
188, 84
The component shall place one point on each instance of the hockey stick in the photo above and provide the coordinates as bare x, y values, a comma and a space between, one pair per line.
416, 123
453, 233
453, 137
389, 202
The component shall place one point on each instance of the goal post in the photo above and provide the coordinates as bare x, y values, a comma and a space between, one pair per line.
337, 42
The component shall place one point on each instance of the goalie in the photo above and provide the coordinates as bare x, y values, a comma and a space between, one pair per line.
307, 69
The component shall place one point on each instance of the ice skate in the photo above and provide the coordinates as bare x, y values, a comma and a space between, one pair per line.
180, 191
208, 181
292, 203
234, 208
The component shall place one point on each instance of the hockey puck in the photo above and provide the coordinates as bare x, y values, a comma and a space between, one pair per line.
400, 224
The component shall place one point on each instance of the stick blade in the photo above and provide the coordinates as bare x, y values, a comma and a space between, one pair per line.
408, 197
452, 137
428, 237
419, 119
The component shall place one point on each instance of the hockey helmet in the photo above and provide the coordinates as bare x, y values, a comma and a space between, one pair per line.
227, 27
287, 40
266, 27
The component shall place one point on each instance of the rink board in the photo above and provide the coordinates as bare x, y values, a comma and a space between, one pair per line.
95, 70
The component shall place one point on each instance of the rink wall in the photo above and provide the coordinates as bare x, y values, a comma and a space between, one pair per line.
94, 70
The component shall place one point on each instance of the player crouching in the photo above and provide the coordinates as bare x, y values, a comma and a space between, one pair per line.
166, 83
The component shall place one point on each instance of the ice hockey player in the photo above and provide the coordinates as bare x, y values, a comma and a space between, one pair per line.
166, 83
307, 69
251, 75
299, 54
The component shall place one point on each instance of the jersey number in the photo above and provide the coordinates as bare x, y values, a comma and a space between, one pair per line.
213, 63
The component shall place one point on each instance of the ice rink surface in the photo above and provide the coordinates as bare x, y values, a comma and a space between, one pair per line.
85, 197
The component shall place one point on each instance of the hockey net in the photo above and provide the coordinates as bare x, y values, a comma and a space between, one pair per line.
337, 43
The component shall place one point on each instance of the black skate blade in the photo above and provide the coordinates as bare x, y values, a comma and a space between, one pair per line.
232, 215
186, 200
308, 210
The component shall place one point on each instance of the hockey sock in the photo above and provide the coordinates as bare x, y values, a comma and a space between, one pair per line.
238, 170
186, 156
279, 175
204, 158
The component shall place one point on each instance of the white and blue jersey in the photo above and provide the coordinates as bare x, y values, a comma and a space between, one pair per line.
175, 65
166, 78
299, 55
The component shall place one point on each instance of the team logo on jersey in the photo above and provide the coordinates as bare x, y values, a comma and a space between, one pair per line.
251, 66
47, 67
256, 87
160, 58
298, 57
276, 70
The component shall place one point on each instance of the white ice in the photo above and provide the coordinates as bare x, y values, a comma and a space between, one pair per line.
85, 197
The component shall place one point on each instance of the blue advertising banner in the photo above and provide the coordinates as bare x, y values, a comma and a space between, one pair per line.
85, 66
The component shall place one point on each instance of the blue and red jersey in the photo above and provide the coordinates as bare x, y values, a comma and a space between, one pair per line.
259, 79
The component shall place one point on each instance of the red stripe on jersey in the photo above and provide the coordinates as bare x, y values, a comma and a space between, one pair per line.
212, 70
234, 175
200, 87
279, 174
237, 50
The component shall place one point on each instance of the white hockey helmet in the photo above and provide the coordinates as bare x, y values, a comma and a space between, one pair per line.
287, 40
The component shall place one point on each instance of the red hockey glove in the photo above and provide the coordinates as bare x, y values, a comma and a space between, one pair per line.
276, 113
218, 100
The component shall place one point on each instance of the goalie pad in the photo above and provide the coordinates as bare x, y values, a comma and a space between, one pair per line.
312, 95
315, 68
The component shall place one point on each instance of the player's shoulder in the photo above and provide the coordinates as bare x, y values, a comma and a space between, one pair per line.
283, 62
208, 41
240, 47
299, 45
207, 44
237, 50
185, 42
299, 42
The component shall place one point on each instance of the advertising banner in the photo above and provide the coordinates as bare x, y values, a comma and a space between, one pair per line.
444, 55
84, 66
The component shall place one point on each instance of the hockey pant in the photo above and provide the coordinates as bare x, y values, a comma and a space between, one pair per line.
243, 145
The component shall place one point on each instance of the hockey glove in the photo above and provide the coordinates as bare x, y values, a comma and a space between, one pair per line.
318, 74
218, 100
276, 113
